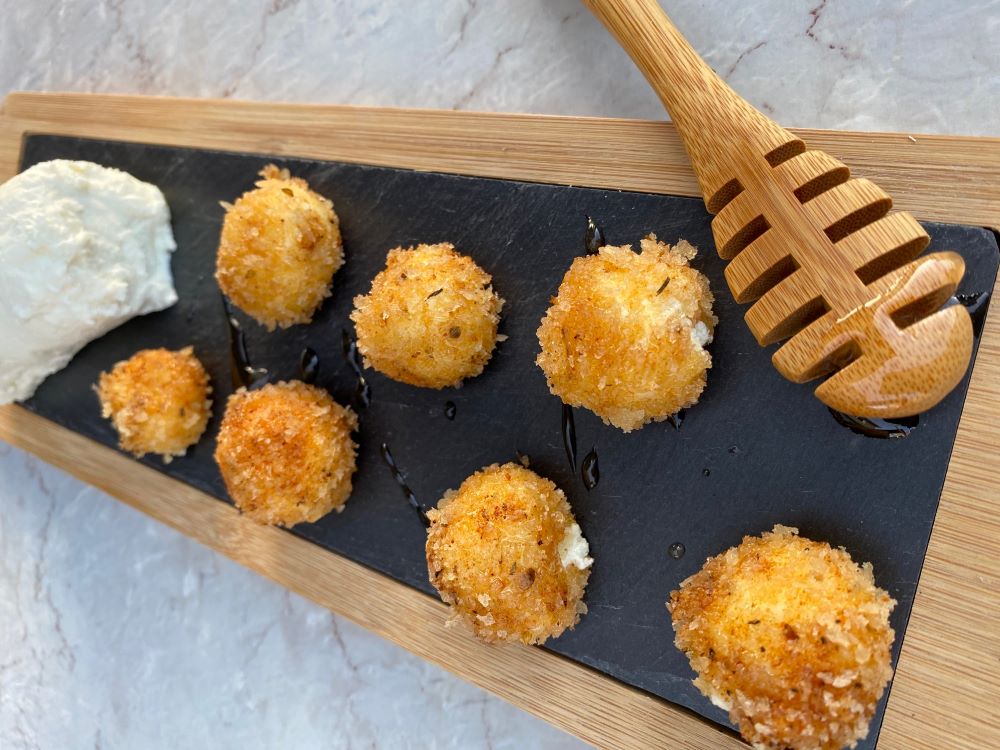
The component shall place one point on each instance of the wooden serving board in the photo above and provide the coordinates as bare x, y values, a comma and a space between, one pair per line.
949, 669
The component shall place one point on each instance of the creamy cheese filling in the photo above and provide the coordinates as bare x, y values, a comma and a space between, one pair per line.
574, 549
700, 334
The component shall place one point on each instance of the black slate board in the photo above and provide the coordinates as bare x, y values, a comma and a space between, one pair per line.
756, 451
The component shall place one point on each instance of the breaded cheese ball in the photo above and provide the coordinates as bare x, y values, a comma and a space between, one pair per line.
430, 318
157, 401
279, 249
286, 454
625, 336
505, 552
791, 637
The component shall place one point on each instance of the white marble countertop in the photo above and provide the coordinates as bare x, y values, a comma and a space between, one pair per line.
118, 632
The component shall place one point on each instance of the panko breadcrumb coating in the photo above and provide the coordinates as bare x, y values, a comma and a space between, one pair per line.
157, 401
791, 637
625, 336
430, 318
505, 552
285, 452
279, 249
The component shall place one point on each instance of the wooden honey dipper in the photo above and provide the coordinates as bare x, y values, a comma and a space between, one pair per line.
830, 268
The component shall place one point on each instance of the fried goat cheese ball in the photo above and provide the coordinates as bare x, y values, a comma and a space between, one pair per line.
790, 636
505, 552
157, 401
430, 318
286, 454
279, 249
625, 336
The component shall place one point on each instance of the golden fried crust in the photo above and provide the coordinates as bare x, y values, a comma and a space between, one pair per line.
493, 555
285, 453
624, 336
279, 249
430, 318
791, 636
157, 401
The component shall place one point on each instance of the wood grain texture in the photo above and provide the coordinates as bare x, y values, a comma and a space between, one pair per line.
938, 178
782, 212
949, 671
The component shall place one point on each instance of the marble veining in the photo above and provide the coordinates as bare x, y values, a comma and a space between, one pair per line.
118, 632
920, 65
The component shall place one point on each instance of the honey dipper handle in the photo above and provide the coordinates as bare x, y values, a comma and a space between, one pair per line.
717, 125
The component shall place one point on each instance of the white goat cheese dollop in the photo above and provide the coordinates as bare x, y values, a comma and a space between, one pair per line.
83, 248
